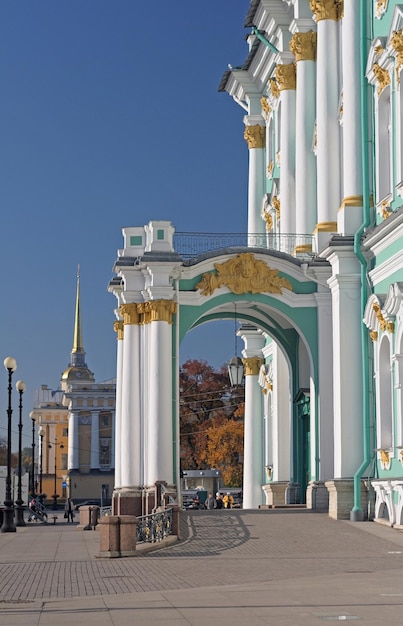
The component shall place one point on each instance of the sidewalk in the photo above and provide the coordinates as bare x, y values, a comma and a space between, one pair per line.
232, 567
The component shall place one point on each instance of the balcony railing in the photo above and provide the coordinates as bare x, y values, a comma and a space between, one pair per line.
191, 245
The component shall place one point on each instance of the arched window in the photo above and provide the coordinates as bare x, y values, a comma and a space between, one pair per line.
384, 145
385, 391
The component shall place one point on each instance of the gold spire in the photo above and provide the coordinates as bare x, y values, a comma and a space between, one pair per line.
78, 340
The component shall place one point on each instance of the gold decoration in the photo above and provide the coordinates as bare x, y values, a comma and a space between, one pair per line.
278, 158
379, 50
270, 169
383, 323
385, 456
118, 328
327, 9
255, 136
286, 77
303, 46
268, 218
130, 313
158, 310
397, 44
380, 8
374, 335
386, 212
275, 92
382, 77
326, 227
243, 274
252, 365
266, 108
275, 202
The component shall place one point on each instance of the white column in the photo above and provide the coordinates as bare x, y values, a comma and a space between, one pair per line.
281, 416
327, 121
345, 285
255, 136
350, 216
113, 441
73, 444
303, 45
285, 76
117, 422
160, 462
94, 439
131, 427
254, 471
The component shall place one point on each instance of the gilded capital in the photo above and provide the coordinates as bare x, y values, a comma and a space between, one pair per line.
286, 77
130, 313
303, 46
382, 77
327, 9
159, 310
255, 136
274, 88
118, 328
252, 365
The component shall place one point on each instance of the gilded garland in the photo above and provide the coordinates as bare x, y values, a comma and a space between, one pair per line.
243, 274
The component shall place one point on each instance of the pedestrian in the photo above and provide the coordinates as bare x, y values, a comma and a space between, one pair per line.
218, 501
69, 510
210, 502
228, 500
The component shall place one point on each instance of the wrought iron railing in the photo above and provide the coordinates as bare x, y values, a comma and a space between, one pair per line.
105, 511
154, 527
190, 245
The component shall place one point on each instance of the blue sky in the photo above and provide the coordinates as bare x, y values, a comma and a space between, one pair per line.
109, 117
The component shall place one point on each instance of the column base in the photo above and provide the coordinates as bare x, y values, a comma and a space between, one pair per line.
127, 501
317, 496
292, 493
275, 493
341, 499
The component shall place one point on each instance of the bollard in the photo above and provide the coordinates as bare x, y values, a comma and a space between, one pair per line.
109, 534
128, 526
94, 515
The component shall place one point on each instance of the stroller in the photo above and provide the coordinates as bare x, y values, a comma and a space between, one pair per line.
37, 512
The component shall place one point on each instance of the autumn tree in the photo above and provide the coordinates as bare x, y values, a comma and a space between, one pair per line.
205, 399
224, 450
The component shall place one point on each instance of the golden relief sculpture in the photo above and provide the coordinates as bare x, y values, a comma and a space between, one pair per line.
270, 169
268, 218
373, 335
130, 313
397, 44
303, 46
255, 136
118, 328
243, 274
286, 77
274, 90
275, 202
383, 323
382, 77
386, 212
385, 457
380, 7
252, 365
266, 108
327, 9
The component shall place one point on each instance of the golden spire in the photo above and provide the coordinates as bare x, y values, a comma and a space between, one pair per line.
77, 341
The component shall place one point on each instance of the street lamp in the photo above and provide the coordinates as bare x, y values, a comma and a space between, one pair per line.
32, 487
55, 495
235, 366
8, 525
41, 436
19, 512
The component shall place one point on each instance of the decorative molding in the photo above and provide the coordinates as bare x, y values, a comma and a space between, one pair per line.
286, 77
243, 274
385, 458
158, 311
255, 136
380, 8
270, 169
118, 328
397, 44
130, 313
303, 46
266, 108
274, 90
252, 365
383, 323
382, 76
373, 335
268, 218
275, 201
327, 9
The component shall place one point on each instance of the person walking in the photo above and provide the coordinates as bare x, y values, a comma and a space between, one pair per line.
69, 510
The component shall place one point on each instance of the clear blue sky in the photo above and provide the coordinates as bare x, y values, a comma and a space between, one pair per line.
110, 117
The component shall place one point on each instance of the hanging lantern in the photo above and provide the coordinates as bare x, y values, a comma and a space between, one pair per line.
235, 371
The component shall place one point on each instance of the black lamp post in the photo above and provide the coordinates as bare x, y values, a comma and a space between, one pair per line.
19, 512
41, 435
8, 525
55, 495
32, 486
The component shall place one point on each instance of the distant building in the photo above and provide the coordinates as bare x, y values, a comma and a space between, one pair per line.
76, 426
